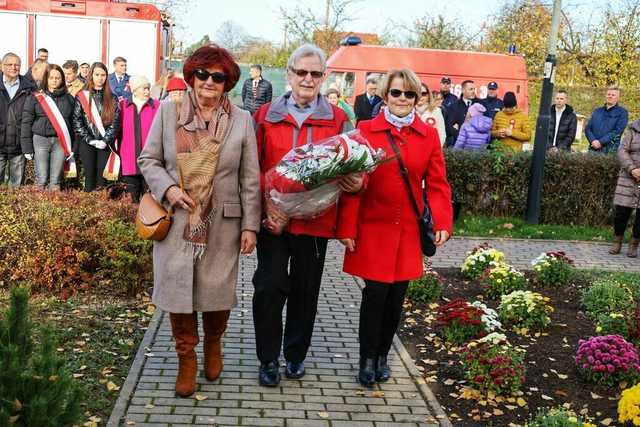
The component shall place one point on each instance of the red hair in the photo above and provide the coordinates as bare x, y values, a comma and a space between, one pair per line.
210, 56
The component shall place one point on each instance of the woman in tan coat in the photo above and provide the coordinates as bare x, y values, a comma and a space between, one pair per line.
201, 158
627, 196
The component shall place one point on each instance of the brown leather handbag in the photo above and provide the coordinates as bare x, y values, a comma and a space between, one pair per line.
153, 220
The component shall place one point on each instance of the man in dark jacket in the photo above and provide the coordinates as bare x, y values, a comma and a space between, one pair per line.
365, 102
606, 125
563, 124
14, 91
492, 103
448, 98
119, 79
256, 91
457, 112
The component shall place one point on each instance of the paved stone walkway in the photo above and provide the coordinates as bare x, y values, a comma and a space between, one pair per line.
327, 396
520, 253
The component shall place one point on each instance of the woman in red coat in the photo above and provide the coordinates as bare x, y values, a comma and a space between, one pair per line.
378, 225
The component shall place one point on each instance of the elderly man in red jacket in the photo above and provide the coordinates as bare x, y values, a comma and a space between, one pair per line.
290, 264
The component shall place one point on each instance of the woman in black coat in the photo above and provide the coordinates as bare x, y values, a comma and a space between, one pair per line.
39, 137
94, 144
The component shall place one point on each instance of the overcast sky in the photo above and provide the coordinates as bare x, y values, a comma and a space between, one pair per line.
261, 18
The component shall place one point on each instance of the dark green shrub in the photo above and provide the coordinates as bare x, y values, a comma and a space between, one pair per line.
578, 188
426, 289
606, 296
35, 388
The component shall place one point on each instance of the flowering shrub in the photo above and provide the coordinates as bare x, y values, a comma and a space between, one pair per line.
500, 279
489, 317
553, 268
460, 321
525, 309
608, 360
70, 240
626, 324
557, 417
426, 289
606, 297
629, 406
492, 364
479, 259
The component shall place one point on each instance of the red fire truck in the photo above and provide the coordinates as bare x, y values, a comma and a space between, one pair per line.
87, 31
350, 65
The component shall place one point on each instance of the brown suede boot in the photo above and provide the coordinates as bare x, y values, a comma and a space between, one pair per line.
632, 252
185, 332
214, 324
617, 245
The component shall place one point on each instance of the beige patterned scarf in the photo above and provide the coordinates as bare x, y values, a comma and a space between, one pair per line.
198, 150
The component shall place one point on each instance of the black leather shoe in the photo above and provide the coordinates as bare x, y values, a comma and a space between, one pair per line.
383, 371
367, 374
269, 374
294, 370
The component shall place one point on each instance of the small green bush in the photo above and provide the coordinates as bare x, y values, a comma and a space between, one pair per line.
606, 296
426, 289
556, 417
35, 387
501, 279
553, 269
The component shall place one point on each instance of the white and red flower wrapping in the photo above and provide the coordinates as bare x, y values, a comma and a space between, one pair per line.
304, 184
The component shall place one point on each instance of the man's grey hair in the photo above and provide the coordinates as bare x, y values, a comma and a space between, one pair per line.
613, 87
10, 55
304, 51
372, 80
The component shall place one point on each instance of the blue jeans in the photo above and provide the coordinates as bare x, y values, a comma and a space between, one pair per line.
13, 168
49, 159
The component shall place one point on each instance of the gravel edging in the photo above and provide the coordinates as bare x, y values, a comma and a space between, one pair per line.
418, 379
127, 389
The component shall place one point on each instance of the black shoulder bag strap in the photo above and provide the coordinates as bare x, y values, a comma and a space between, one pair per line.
405, 174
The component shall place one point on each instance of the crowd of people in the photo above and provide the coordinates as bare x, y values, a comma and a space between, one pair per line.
206, 159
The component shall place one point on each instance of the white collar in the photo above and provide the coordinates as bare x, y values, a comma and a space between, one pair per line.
6, 83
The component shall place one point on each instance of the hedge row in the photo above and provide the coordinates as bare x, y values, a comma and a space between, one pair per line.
60, 242
578, 188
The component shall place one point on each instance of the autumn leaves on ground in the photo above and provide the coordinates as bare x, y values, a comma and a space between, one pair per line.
497, 347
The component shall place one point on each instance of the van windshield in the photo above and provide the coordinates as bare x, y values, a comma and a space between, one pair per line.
343, 81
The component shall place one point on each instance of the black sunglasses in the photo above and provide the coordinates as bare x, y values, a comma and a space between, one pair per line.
303, 73
409, 94
216, 76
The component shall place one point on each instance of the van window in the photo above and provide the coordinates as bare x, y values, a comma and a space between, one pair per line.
344, 81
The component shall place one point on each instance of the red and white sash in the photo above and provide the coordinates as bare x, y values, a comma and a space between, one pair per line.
62, 130
112, 169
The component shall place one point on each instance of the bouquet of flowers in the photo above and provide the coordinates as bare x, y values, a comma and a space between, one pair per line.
304, 184
500, 279
629, 406
525, 310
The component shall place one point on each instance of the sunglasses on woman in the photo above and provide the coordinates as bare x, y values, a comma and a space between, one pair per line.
303, 73
216, 76
409, 94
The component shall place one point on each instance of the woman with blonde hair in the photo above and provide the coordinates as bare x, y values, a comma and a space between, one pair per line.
379, 226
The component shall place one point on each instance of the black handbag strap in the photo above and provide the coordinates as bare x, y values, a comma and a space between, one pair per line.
405, 174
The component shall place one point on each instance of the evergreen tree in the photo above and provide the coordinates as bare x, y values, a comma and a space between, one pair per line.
35, 388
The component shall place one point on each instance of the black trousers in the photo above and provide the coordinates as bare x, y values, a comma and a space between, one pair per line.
380, 313
621, 219
136, 186
93, 162
289, 271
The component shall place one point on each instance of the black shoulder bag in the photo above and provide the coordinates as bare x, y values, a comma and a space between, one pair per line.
425, 222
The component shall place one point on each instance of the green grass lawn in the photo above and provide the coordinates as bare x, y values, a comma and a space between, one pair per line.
97, 338
468, 225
